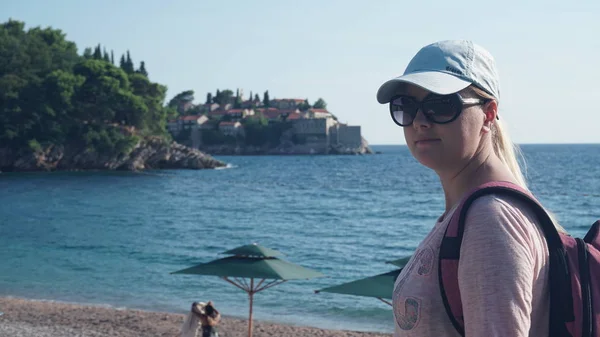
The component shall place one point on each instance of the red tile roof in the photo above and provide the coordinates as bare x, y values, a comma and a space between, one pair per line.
189, 118
272, 114
268, 109
294, 115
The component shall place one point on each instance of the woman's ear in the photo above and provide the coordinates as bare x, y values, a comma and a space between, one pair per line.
490, 110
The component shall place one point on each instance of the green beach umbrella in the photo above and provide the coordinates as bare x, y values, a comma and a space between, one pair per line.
380, 286
401, 262
259, 264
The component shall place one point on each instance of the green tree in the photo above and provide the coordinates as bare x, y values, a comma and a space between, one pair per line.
106, 57
209, 98
266, 98
51, 95
227, 97
195, 110
320, 104
238, 100
142, 69
60, 89
99, 99
26, 59
224, 97
304, 105
217, 97
97, 53
87, 53
180, 99
129, 64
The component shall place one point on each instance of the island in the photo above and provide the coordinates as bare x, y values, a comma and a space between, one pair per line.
60, 110
229, 124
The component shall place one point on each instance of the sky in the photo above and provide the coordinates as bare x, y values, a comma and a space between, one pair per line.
547, 52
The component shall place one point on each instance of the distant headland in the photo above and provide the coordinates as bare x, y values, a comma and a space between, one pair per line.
64, 111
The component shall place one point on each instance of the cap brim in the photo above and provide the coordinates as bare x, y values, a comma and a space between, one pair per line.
434, 81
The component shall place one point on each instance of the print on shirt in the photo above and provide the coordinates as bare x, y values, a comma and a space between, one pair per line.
407, 317
407, 309
426, 261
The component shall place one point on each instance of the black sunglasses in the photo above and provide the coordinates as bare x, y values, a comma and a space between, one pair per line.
436, 108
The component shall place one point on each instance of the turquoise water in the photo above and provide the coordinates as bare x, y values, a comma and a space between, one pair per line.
112, 238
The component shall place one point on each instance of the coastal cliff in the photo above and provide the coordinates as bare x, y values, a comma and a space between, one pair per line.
148, 153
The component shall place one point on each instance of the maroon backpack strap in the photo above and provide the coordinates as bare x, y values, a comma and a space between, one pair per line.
450, 253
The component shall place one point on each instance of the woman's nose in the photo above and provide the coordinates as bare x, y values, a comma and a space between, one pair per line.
420, 120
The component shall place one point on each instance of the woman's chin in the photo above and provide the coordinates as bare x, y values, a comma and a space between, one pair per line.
432, 162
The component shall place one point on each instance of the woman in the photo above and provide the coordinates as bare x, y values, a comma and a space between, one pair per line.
447, 105
202, 315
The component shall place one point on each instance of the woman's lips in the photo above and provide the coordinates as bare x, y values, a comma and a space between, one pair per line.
427, 141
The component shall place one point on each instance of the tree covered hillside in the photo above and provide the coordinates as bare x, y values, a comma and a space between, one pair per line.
49, 94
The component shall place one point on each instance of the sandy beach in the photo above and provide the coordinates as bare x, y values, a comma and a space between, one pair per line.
27, 318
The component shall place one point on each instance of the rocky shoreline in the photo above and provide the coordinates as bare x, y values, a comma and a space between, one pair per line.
152, 153
148, 153
228, 150
287, 148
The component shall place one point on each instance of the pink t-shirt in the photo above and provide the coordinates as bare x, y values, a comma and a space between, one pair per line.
503, 276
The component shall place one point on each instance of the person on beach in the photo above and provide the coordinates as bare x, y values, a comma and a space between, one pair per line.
202, 315
446, 103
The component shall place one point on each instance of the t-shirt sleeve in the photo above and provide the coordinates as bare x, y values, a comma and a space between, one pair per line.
498, 261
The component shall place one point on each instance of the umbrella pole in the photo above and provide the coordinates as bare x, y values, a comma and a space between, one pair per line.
384, 301
250, 295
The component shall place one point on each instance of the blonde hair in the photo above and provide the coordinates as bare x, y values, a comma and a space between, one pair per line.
508, 151
504, 148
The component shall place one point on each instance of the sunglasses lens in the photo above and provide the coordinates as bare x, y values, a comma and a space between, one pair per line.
437, 109
441, 110
403, 110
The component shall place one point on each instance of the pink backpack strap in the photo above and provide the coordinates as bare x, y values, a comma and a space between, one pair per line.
593, 235
450, 255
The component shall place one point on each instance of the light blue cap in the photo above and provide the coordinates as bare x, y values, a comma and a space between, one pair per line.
446, 67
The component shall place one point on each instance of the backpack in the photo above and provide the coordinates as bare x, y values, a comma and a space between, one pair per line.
574, 270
